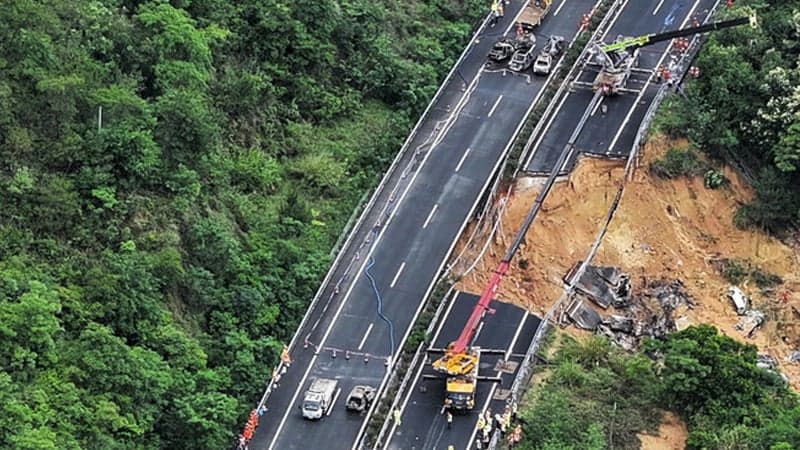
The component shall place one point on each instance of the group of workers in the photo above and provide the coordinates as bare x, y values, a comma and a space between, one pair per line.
488, 423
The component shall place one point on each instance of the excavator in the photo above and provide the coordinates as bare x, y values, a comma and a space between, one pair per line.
618, 59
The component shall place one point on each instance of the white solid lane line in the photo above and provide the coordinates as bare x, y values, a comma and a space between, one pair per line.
422, 364
497, 102
397, 275
597, 106
478, 333
463, 157
333, 403
658, 6
516, 336
558, 10
364, 339
430, 216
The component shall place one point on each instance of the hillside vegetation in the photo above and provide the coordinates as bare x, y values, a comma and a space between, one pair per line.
598, 397
152, 266
745, 108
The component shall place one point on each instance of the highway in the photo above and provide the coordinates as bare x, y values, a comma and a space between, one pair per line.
510, 329
612, 134
403, 241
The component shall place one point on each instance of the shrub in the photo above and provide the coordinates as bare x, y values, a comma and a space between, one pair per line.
765, 279
714, 179
678, 163
734, 270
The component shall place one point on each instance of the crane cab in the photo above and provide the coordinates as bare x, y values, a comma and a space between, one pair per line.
462, 380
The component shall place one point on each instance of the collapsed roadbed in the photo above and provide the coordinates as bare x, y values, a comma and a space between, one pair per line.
673, 238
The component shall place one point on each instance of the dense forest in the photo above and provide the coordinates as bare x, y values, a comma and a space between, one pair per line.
745, 108
599, 397
174, 176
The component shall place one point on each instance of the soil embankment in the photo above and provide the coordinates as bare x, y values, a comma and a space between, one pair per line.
663, 229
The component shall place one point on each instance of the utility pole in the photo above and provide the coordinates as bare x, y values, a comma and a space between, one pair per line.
99, 118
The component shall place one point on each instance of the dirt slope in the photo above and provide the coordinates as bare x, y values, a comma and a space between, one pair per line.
671, 435
671, 229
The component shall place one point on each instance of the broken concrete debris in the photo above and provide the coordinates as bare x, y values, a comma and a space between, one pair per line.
619, 323
750, 322
648, 313
626, 341
768, 363
605, 286
682, 323
583, 316
751, 319
765, 361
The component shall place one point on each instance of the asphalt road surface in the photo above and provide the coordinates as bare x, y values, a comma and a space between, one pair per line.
612, 134
510, 329
455, 162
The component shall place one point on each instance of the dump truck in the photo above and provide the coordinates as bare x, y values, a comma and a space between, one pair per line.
533, 13
319, 398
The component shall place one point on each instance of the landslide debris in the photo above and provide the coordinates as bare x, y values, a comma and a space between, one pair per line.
671, 230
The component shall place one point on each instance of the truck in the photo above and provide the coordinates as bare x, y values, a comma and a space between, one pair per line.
460, 387
544, 62
533, 13
319, 398
618, 59
617, 67
521, 49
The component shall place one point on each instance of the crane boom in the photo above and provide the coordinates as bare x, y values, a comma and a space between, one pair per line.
461, 360
650, 39
490, 290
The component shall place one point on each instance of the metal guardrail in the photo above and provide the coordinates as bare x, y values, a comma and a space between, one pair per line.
613, 10
495, 186
497, 212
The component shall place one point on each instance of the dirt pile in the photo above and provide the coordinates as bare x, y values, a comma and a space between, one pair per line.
663, 230
562, 233
671, 435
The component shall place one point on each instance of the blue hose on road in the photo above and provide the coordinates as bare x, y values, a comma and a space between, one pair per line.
380, 304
